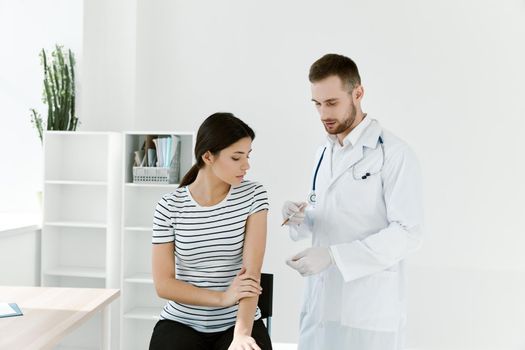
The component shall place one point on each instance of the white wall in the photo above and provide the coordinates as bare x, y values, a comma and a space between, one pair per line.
27, 26
20, 258
447, 76
107, 97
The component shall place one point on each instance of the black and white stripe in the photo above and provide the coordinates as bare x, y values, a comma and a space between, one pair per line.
208, 247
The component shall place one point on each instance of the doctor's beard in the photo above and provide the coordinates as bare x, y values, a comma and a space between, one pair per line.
346, 125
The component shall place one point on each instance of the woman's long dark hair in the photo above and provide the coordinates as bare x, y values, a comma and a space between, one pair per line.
217, 132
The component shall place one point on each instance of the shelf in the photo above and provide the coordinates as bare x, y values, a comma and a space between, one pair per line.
145, 278
152, 185
91, 272
82, 220
75, 155
76, 224
71, 182
143, 313
139, 200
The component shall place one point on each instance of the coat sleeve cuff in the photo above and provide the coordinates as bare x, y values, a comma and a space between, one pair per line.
353, 262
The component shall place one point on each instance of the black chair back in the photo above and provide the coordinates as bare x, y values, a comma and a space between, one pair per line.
266, 298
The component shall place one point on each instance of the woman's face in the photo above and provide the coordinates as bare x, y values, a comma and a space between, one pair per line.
232, 163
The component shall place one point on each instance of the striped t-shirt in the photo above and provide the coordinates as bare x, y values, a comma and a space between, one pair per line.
208, 248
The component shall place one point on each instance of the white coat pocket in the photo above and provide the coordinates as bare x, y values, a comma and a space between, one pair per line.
372, 302
371, 163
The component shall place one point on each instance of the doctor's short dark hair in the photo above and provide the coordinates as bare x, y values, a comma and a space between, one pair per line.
334, 64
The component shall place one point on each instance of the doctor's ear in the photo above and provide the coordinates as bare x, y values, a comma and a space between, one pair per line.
208, 158
358, 92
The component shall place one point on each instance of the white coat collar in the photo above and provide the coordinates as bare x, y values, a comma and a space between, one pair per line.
369, 138
354, 135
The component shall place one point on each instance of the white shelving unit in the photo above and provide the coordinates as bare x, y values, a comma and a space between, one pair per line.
81, 221
141, 306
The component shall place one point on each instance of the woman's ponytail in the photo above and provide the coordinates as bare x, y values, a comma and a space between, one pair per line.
190, 176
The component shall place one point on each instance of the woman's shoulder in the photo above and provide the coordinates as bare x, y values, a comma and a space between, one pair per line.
253, 189
176, 196
249, 185
255, 193
248, 188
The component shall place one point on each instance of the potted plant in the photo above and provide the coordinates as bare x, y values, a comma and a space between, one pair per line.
59, 92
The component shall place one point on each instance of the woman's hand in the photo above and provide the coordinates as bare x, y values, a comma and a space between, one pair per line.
243, 342
243, 286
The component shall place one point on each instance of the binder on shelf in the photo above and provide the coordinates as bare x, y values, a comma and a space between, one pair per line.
167, 160
9, 310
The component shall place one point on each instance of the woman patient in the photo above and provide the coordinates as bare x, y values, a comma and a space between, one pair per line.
215, 225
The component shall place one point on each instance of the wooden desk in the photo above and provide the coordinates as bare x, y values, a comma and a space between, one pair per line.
50, 313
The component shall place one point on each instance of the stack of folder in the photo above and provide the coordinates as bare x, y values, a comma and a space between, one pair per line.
9, 310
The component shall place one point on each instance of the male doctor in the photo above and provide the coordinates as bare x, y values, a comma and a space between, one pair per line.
364, 215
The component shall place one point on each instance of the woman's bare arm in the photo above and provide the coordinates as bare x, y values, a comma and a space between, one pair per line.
168, 287
253, 254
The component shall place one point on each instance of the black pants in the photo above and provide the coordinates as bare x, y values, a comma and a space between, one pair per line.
171, 335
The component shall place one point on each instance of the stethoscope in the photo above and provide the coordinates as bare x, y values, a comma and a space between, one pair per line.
312, 195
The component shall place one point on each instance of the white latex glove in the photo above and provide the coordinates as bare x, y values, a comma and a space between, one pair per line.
311, 261
296, 209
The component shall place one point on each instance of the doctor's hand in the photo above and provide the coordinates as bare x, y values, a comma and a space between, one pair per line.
296, 209
311, 261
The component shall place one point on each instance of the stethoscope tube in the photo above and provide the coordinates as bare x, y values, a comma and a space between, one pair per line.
312, 193
317, 169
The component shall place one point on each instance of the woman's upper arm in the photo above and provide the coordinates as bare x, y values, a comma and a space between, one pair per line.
255, 241
162, 257
163, 264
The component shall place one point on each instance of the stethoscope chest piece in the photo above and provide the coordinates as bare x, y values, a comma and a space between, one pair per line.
312, 198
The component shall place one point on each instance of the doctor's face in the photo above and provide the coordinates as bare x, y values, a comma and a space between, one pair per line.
335, 104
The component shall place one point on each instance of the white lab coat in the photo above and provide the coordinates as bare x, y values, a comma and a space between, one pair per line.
370, 226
